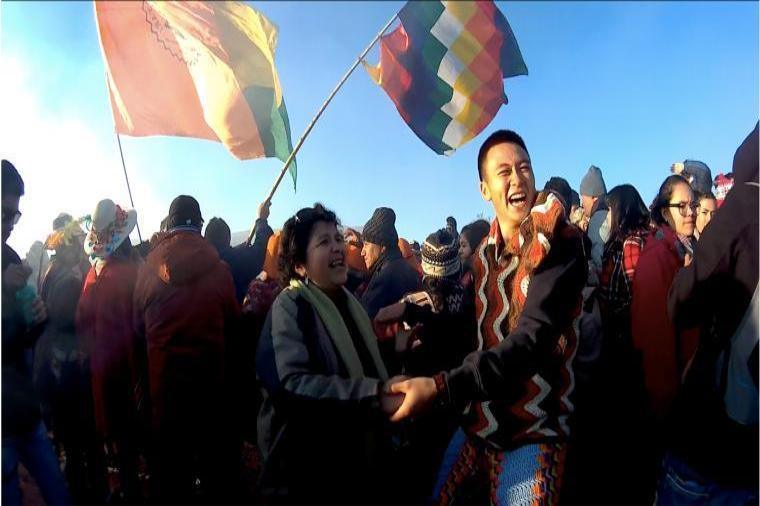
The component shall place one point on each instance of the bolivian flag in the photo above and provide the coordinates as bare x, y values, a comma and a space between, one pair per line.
195, 69
444, 66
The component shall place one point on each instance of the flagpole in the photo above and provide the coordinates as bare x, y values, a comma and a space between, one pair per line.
121, 154
126, 177
319, 113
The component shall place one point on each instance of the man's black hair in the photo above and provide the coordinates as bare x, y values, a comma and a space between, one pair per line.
12, 182
498, 137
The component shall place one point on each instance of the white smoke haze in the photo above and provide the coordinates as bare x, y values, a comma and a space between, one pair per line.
66, 165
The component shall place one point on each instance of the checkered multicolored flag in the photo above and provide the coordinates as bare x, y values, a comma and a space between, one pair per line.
444, 67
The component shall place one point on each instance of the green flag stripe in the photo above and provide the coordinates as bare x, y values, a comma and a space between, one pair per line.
284, 144
272, 122
420, 16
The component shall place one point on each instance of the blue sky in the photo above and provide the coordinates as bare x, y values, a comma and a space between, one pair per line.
628, 86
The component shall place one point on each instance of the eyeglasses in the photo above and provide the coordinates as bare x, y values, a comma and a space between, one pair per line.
10, 215
683, 206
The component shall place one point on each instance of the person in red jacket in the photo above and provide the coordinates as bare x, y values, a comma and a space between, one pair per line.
107, 338
185, 306
712, 439
665, 349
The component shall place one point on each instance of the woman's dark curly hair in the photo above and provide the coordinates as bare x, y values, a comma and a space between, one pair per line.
294, 239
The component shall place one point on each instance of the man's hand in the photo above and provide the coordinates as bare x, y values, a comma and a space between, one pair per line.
39, 311
420, 393
387, 322
14, 277
264, 210
686, 260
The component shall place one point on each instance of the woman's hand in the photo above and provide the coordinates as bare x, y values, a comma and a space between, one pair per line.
419, 395
389, 401
391, 314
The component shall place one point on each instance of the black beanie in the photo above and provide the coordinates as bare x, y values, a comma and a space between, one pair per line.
381, 228
184, 212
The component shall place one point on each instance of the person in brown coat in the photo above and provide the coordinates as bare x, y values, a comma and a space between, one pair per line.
185, 307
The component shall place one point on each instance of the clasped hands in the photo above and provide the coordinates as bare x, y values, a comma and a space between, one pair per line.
403, 397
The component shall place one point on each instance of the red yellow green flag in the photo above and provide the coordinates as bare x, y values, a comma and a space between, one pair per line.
195, 69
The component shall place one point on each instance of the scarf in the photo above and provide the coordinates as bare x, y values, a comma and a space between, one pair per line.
687, 242
338, 331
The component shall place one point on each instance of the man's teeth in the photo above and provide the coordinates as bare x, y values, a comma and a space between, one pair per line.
336, 263
517, 198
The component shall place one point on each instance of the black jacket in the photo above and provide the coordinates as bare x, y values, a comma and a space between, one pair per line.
390, 279
714, 293
445, 338
246, 261
21, 405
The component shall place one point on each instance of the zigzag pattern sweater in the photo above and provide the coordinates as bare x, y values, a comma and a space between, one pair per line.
517, 388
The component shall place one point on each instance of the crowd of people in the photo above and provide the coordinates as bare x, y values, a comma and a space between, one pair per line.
583, 347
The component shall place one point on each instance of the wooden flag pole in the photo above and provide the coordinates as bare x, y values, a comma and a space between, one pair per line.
124, 166
319, 113
126, 177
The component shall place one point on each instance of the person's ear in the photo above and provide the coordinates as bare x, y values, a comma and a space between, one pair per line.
301, 270
485, 191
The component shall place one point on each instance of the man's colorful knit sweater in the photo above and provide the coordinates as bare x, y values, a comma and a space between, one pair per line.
517, 388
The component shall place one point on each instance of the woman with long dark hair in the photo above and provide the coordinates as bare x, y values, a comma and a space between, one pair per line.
629, 224
611, 402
